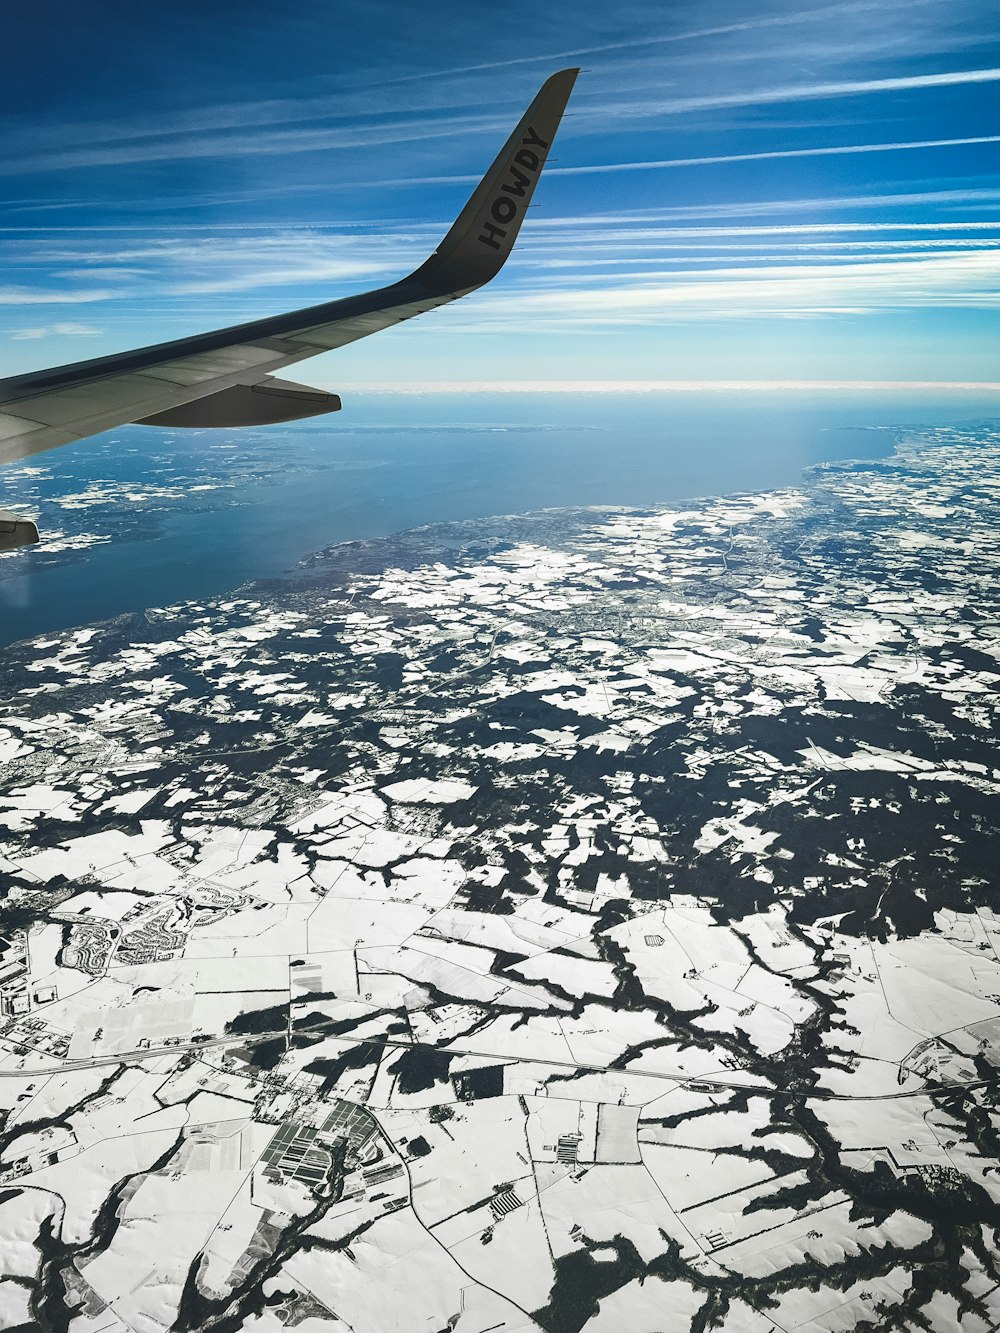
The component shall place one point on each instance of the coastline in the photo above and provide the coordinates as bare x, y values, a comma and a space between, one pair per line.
220, 512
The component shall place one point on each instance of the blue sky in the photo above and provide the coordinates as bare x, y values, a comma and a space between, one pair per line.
766, 192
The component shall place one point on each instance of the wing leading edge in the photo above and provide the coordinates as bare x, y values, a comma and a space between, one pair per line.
224, 378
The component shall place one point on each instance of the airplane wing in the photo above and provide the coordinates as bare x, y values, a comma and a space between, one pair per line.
224, 378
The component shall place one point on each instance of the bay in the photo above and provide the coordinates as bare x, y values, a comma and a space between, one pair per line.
150, 518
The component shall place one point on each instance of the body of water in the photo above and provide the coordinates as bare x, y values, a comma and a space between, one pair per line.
195, 515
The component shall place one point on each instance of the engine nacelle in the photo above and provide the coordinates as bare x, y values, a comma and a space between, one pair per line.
15, 531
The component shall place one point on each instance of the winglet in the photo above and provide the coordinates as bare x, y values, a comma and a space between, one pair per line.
484, 233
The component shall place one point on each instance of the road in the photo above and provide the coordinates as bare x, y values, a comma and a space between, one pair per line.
721, 1081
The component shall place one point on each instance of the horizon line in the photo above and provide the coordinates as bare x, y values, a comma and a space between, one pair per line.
418, 387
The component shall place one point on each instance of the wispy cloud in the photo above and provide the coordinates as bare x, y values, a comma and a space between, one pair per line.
242, 143
448, 90
958, 281
804, 228
756, 23
108, 271
305, 265
800, 92
714, 159
313, 271
40, 296
764, 207
629, 266
56, 330
823, 18
610, 255
835, 150
241, 130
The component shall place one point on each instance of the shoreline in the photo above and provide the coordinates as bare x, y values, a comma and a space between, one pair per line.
84, 570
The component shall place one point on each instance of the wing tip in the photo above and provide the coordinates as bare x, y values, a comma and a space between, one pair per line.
562, 79
483, 235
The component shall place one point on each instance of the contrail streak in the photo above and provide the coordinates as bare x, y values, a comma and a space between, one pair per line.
834, 151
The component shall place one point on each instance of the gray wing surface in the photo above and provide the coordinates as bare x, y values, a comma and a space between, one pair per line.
225, 378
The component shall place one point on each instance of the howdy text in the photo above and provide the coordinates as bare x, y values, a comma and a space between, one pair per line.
503, 210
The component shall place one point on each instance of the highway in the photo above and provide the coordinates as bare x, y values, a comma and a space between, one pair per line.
721, 1081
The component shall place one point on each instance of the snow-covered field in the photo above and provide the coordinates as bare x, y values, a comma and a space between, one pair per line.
589, 931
